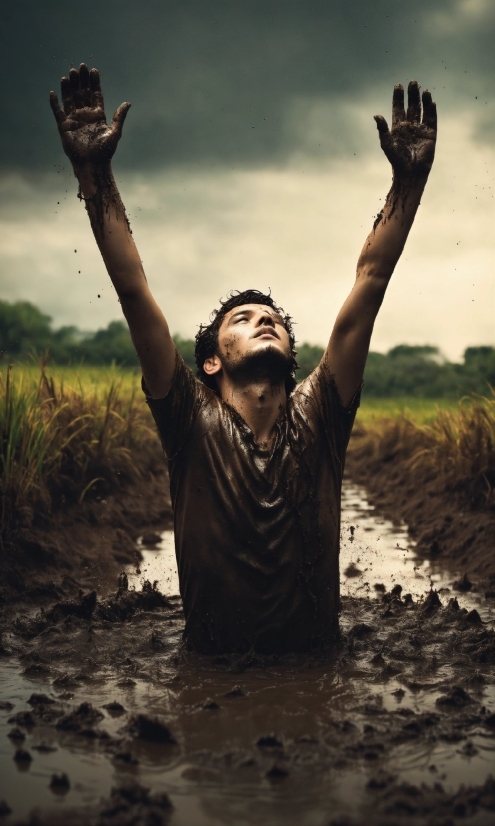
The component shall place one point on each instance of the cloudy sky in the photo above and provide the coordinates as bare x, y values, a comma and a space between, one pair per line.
250, 158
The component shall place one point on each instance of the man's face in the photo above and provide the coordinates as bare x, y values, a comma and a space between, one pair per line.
253, 336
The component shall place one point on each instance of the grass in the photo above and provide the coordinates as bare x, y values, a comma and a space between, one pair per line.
68, 434
419, 410
456, 445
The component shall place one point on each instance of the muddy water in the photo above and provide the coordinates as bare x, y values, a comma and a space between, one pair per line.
279, 741
373, 552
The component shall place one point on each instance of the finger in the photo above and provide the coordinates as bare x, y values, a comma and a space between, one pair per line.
74, 87
381, 125
67, 101
84, 84
119, 118
429, 111
94, 82
413, 102
398, 113
56, 108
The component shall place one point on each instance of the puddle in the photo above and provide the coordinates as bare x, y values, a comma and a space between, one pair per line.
373, 551
336, 725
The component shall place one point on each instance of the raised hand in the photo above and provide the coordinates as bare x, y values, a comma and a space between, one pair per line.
87, 139
410, 144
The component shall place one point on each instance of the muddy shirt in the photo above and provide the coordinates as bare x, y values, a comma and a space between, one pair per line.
256, 529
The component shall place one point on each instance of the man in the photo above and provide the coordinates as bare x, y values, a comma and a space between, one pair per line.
255, 463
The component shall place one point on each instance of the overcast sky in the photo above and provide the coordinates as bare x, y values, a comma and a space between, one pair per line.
250, 158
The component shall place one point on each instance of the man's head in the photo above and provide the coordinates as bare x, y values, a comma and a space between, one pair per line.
250, 338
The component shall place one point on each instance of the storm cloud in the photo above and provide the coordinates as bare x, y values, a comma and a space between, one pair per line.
250, 157
234, 82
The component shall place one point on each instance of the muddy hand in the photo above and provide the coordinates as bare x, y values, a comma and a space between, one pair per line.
86, 137
410, 144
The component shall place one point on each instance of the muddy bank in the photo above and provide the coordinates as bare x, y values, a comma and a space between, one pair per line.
390, 727
55, 553
447, 525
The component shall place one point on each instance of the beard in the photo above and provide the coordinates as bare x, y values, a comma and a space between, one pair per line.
268, 364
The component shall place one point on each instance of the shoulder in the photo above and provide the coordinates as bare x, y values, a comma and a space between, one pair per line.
319, 390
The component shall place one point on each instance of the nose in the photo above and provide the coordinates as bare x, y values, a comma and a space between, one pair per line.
265, 320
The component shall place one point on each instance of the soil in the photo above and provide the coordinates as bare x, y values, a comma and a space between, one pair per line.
396, 725
445, 525
82, 545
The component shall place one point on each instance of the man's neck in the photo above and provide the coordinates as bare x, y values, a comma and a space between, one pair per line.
260, 404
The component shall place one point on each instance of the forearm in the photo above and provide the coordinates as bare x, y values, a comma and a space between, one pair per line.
384, 244
111, 228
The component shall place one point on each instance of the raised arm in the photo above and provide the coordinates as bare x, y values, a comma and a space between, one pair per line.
410, 148
90, 143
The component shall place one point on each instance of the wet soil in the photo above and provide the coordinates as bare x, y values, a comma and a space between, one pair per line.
444, 522
83, 545
105, 719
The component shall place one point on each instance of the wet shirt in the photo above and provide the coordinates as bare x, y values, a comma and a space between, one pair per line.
256, 530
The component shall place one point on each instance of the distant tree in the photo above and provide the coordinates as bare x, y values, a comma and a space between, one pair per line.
406, 370
479, 366
185, 347
308, 357
23, 328
413, 351
112, 344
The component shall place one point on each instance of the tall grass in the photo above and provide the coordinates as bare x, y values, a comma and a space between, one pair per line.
69, 434
67, 442
457, 446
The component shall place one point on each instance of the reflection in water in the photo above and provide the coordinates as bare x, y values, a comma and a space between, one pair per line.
320, 721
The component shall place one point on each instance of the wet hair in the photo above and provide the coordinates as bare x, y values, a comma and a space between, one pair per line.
207, 335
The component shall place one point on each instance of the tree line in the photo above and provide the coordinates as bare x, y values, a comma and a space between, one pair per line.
404, 371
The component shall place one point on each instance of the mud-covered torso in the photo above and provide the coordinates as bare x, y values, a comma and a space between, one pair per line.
256, 529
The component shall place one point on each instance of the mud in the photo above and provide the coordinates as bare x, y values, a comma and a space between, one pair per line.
411, 679
106, 719
84, 545
440, 515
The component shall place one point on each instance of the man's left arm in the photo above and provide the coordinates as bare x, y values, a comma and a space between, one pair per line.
410, 148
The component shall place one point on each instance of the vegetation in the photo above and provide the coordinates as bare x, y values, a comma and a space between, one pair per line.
81, 428
69, 434
403, 372
457, 446
63, 443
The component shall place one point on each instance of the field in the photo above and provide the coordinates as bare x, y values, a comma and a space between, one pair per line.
107, 704
422, 411
73, 432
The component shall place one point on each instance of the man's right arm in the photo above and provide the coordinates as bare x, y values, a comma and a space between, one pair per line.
90, 144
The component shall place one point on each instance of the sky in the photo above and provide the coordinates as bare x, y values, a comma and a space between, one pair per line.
250, 158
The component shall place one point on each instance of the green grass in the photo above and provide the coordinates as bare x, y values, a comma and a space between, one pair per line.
422, 411
81, 379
